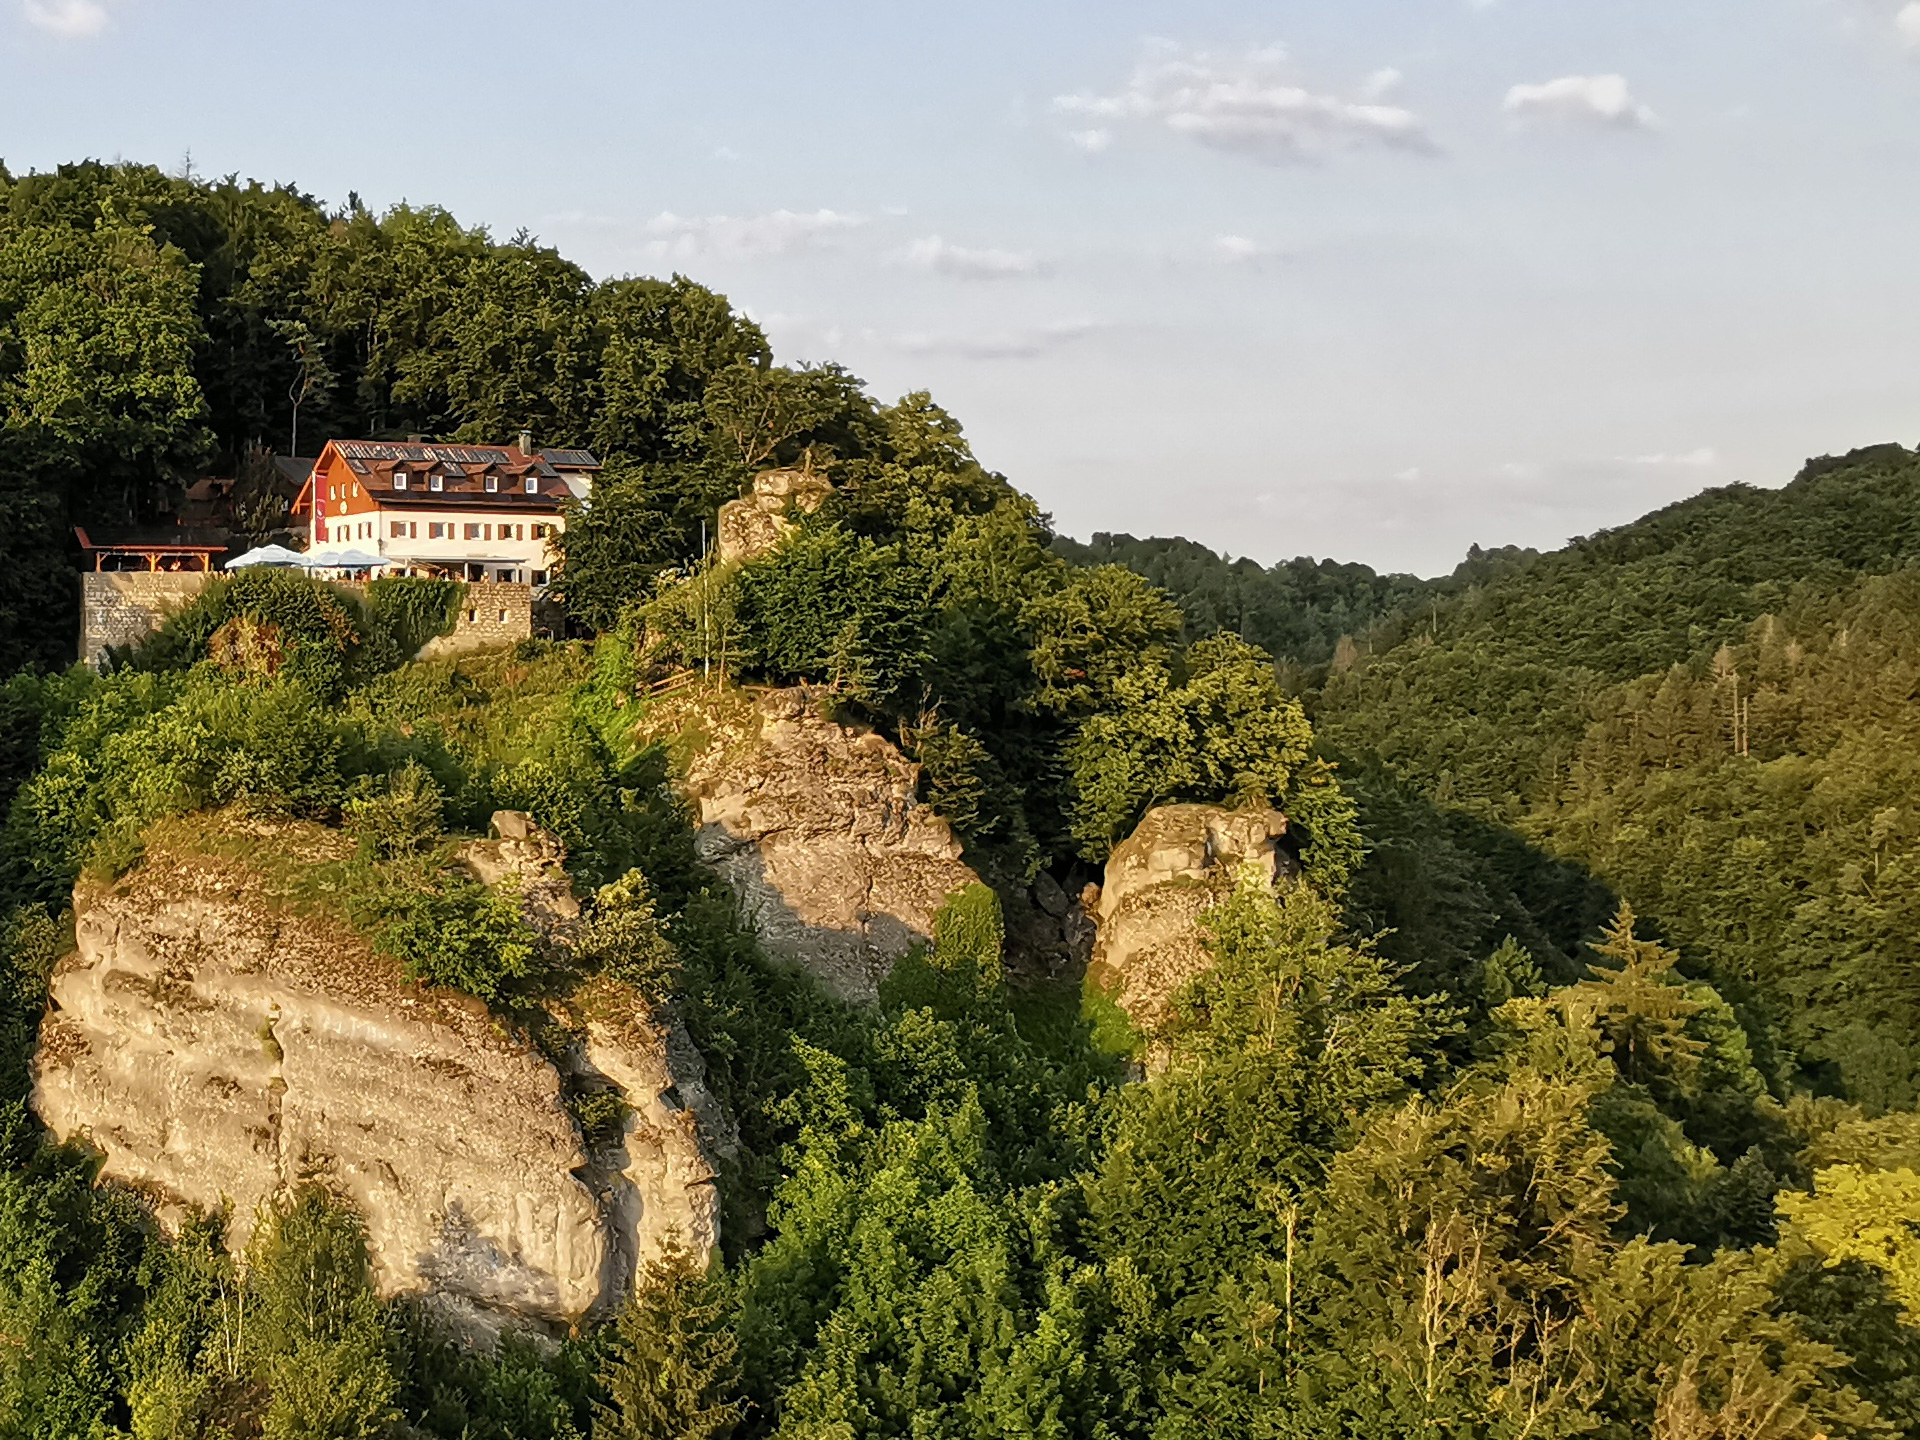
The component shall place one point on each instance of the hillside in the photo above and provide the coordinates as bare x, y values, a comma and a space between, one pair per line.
1084, 992
1706, 712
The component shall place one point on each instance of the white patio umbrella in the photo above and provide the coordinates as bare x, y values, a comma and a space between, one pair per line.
343, 560
267, 555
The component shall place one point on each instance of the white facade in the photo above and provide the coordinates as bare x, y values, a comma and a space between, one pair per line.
450, 540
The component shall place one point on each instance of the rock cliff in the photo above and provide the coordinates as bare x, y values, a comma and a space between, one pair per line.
818, 828
218, 1043
1180, 861
752, 526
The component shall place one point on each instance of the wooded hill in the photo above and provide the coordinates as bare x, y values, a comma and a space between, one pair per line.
1448, 1141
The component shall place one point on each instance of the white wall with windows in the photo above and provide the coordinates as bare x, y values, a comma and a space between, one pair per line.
516, 548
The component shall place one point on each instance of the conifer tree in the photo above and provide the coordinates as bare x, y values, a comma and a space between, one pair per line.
676, 1370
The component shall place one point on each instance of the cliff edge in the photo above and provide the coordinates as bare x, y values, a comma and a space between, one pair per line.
218, 1044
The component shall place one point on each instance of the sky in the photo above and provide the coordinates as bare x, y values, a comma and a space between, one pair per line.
1368, 279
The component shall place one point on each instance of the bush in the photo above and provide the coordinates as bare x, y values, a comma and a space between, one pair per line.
453, 931
406, 818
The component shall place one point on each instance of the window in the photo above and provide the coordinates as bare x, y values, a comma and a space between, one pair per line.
533, 486
473, 532
436, 482
503, 617
493, 483
399, 530
399, 479
438, 530
540, 532
539, 577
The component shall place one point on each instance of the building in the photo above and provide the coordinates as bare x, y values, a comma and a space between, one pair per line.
463, 512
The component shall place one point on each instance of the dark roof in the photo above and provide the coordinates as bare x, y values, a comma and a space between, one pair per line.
453, 499
154, 537
415, 453
295, 468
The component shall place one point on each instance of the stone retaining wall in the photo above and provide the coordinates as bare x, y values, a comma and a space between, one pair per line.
119, 607
492, 613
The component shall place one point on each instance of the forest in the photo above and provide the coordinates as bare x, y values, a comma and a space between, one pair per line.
1573, 1089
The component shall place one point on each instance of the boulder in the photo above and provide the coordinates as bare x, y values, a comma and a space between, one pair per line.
217, 1044
751, 527
817, 826
533, 861
1179, 862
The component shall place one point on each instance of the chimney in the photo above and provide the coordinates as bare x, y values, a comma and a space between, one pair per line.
413, 439
526, 442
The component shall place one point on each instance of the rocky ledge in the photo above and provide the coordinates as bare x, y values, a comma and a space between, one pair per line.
218, 1045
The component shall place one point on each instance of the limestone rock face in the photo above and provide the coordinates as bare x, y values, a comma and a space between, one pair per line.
1179, 862
534, 861
216, 1047
816, 825
753, 526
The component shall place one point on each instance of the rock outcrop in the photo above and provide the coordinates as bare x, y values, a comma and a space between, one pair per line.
219, 1044
818, 828
753, 526
1180, 861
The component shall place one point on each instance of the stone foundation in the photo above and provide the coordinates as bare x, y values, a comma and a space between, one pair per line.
121, 607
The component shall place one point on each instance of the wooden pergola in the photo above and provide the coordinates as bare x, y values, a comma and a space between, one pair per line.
154, 550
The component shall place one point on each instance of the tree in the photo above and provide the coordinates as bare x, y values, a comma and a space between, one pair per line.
675, 1372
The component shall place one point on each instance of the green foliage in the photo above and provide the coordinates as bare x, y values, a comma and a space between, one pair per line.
403, 820
623, 938
675, 1371
453, 931
70, 1253
1225, 730
408, 611
1298, 610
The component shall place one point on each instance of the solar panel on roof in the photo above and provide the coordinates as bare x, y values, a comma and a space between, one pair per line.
421, 454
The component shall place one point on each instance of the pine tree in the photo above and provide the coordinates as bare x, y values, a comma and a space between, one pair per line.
1640, 1009
676, 1364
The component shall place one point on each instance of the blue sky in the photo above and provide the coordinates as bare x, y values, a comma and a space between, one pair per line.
1373, 279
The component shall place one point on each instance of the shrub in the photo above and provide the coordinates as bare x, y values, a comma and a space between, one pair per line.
454, 931
401, 819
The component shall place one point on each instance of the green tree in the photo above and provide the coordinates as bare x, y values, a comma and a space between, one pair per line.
675, 1368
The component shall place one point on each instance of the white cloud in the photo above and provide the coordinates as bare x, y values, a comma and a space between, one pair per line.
1699, 459
936, 256
1595, 99
1247, 105
72, 19
1238, 249
1091, 141
746, 237
1028, 344
1907, 22
1382, 83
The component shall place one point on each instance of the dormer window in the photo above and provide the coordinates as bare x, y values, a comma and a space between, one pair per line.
399, 479
533, 486
493, 484
436, 482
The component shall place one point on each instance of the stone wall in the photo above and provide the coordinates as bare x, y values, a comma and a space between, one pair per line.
491, 614
118, 607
